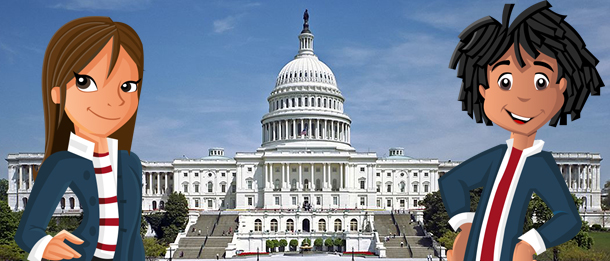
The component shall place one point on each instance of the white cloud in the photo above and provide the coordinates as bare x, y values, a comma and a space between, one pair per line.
122, 5
225, 24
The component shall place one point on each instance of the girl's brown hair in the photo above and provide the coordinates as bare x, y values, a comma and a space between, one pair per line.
72, 47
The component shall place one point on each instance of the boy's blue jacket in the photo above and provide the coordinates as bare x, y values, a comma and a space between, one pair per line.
64, 169
540, 175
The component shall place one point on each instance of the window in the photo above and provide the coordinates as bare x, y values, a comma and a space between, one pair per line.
414, 187
222, 202
223, 188
293, 184
389, 188
250, 201
274, 225
294, 200
196, 203
362, 184
186, 188
414, 174
425, 187
415, 203
334, 169
318, 200
378, 174
222, 174
306, 169
362, 201
425, 174
353, 225
210, 203
378, 202
196, 188
402, 174
233, 174
337, 225
210, 174
290, 225
295, 169
277, 200
389, 203
249, 183
233, 187
317, 169
389, 174
258, 225
186, 174
210, 187
249, 169
322, 225
276, 184
378, 188
402, 203
196, 174
402, 187
335, 200
361, 169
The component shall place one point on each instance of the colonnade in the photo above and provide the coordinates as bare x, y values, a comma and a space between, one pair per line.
25, 172
332, 176
152, 184
299, 101
581, 177
319, 129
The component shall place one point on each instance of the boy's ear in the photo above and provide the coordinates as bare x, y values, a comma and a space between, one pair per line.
55, 95
482, 90
563, 83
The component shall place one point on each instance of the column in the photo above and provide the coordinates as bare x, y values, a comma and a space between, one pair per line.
341, 175
294, 128
149, 183
569, 177
282, 171
598, 176
311, 181
579, 176
158, 183
20, 177
300, 184
309, 130
166, 188
30, 177
287, 132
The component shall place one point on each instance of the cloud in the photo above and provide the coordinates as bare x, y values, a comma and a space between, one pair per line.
225, 24
121, 5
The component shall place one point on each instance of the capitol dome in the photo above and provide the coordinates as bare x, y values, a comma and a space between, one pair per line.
306, 106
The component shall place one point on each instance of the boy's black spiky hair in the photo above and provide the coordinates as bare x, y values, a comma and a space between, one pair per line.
537, 30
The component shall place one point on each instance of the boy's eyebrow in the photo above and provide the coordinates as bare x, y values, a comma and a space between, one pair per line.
544, 65
507, 62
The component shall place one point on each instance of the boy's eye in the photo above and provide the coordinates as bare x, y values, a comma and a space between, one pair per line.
129, 86
541, 81
85, 83
506, 81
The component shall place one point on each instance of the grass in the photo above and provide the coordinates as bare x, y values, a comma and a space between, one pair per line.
601, 241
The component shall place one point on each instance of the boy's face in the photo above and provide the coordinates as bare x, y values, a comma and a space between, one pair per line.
522, 100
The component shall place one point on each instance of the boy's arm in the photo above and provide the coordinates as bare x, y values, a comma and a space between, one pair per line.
566, 222
455, 186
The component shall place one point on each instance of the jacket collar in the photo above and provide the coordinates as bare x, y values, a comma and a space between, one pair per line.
84, 148
534, 149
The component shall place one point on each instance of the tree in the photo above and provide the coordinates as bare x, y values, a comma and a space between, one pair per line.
329, 243
152, 248
293, 244
176, 210
12, 251
339, 243
3, 190
8, 224
269, 245
283, 243
606, 201
318, 243
435, 215
306, 242
143, 227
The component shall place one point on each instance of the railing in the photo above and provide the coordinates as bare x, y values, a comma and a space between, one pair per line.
401, 233
202, 245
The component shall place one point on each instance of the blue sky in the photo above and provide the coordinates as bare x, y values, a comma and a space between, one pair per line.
210, 66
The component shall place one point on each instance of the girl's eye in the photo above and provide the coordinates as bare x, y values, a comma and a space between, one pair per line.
506, 81
85, 83
541, 81
129, 86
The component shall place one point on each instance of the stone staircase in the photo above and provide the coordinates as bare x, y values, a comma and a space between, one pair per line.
224, 223
420, 244
216, 243
189, 247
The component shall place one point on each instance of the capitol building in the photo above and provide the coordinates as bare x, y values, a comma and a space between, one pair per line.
305, 176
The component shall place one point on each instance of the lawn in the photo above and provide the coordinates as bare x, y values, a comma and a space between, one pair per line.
601, 241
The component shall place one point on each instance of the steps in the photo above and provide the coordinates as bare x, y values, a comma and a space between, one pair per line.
215, 245
224, 223
190, 246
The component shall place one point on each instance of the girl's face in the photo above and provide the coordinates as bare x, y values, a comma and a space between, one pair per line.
99, 103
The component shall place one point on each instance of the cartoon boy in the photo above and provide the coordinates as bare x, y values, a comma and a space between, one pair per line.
519, 77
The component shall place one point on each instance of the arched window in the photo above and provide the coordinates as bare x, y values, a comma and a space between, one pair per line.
63, 203
210, 187
415, 187
322, 225
293, 184
353, 225
290, 225
72, 203
306, 184
335, 185
25, 202
154, 205
318, 185
338, 225
274, 225
277, 184
402, 186
161, 205
388, 187
258, 225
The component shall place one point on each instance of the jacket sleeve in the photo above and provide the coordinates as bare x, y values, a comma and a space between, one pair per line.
136, 245
566, 222
50, 185
456, 184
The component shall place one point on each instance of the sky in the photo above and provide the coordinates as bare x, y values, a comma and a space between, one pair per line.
210, 66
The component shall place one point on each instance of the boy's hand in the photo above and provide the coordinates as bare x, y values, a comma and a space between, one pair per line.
58, 250
523, 252
459, 245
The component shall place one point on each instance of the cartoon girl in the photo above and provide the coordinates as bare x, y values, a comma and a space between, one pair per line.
91, 80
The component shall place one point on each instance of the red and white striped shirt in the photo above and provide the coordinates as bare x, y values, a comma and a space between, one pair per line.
109, 212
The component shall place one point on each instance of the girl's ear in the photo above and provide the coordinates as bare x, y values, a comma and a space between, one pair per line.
55, 97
